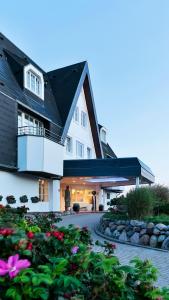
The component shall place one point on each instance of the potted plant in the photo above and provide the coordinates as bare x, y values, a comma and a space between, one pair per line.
101, 207
35, 199
23, 199
76, 207
1, 197
10, 199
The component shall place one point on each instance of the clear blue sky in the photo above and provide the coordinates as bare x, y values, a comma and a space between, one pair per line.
126, 43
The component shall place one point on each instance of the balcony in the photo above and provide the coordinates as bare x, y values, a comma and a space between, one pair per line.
40, 151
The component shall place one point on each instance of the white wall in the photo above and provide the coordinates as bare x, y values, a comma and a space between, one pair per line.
19, 185
77, 132
36, 153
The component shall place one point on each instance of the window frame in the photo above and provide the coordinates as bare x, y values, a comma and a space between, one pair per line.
78, 143
31, 72
76, 115
71, 145
90, 151
83, 119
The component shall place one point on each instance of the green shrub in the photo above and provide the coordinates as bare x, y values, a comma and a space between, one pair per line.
10, 199
161, 194
163, 218
140, 203
59, 264
23, 199
1, 197
35, 199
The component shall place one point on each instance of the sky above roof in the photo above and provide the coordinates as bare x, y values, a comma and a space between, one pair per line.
126, 44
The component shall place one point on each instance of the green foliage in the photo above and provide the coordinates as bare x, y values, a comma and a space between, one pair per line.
10, 199
57, 272
158, 219
161, 195
35, 199
140, 203
23, 199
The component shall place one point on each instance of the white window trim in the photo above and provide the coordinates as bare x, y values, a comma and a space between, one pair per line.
101, 134
78, 142
88, 148
37, 73
77, 122
71, 151
83, 113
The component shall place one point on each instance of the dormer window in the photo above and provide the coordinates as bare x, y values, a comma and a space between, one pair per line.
33, 81
103, 135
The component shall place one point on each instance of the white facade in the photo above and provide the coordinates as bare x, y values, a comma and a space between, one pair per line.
19, 185
79, 133
37, 153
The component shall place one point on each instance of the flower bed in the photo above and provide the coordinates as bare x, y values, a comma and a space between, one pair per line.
39, 260
136, 232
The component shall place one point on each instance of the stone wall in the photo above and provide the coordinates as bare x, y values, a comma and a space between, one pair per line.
136, 232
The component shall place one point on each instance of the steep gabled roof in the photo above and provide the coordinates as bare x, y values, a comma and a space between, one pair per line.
66, 84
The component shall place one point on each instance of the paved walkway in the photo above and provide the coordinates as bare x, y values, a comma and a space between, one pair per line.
124, 252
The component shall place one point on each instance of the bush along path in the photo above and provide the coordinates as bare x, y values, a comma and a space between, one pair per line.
39, 260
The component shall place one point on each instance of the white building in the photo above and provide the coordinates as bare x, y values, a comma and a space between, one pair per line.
50, 138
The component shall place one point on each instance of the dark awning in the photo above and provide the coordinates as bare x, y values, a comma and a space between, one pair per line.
124, 171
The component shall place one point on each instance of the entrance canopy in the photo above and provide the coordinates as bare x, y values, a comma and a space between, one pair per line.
109, 172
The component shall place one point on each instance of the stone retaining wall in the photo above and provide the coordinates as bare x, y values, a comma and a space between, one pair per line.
136, 232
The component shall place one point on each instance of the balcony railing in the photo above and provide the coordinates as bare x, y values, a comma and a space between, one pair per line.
40, 131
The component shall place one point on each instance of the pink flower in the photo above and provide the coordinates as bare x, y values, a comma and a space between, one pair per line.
13, 266
74, 249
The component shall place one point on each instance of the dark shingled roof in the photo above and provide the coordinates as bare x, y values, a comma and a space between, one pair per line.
107, 151
64, 82
12, 62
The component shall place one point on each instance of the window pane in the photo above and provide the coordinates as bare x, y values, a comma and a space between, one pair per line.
89, 153
32, 82
83, 119
79, 149
28, 79
43, 190
77, 114
69, 144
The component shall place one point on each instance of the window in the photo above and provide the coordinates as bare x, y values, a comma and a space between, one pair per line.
43, 190
83, 119
33, 80
79, 149
108, 196
69, 144
103, 135
34, 83
76, 114
89, 153
29, 125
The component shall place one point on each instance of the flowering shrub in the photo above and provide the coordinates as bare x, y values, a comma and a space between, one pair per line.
58, 263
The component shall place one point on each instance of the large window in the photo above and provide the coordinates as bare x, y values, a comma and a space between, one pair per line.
79, 149
69, 146
34, 83
76, 114
84, 119
29, 124
89, 153
43, 190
